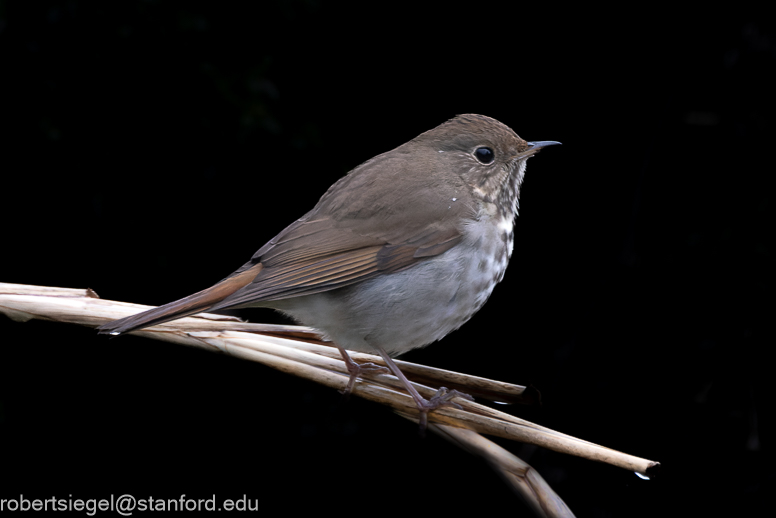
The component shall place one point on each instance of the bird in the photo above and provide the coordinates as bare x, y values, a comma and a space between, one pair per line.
397, 253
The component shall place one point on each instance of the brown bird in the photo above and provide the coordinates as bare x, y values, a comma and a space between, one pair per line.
395, 255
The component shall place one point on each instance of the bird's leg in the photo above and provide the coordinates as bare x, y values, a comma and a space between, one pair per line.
355, 370
443, 397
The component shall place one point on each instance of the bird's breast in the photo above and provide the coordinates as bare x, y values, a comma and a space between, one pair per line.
414, 307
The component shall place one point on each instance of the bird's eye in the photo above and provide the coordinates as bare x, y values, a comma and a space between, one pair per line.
484, 155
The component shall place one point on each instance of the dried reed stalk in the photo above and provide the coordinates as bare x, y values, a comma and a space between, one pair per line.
298, 350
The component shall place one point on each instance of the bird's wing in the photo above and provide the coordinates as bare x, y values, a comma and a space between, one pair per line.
367, 224
378, 219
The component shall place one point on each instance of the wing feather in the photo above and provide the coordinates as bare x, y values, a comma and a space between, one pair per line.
377, 219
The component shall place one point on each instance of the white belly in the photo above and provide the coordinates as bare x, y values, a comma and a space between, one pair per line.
414, 307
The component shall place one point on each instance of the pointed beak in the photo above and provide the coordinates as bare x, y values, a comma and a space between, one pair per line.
542, 143
534, 147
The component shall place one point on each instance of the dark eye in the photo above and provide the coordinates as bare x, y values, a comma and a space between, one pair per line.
484, 155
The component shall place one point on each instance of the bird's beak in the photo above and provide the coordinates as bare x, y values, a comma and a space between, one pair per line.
534, 147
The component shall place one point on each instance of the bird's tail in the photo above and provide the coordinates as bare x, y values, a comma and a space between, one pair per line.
196, 303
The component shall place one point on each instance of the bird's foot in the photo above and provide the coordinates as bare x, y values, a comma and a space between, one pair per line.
355, 370
443, 397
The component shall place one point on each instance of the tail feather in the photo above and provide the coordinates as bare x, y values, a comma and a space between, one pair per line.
196, 303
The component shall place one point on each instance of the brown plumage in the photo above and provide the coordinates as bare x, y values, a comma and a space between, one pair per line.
396, 254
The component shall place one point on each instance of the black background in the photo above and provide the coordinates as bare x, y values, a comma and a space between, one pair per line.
149, 148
